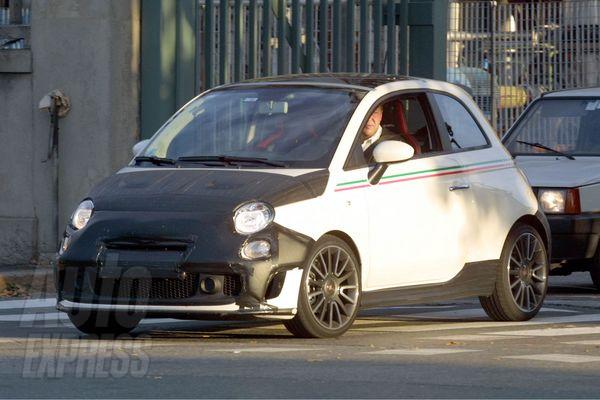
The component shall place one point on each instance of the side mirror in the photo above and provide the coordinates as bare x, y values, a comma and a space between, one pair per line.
139, 146
387, 152
390, 151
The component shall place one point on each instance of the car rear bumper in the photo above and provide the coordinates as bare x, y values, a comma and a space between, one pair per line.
574, 237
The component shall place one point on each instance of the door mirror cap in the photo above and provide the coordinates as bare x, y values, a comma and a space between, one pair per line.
391, 151
139, 146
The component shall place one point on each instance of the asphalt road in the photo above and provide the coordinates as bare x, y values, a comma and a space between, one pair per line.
446, 350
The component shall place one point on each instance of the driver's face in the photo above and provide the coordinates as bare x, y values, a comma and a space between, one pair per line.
373, 123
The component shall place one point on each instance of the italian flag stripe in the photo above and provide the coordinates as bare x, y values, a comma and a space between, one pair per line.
429, 173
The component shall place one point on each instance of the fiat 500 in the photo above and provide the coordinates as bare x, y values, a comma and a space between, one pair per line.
557, 144
306, 198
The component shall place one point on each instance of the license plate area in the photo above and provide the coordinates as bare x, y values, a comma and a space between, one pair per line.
140, 264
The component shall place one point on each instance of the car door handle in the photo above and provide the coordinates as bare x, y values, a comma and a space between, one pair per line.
459, 187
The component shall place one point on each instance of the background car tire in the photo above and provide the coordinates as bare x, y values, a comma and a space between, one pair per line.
332, 268
521, 282
98, 322
595, 270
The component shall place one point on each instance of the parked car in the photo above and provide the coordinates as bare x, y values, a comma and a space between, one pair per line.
256, 200
556, 142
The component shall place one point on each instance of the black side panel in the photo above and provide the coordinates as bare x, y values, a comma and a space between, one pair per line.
475, 279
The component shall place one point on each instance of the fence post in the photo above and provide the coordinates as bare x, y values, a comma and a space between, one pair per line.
15, 8
427, 32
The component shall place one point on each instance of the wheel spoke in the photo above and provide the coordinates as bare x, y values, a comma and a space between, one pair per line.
518, 295
315, 283
345, 296
313, 294
514, 260
318, 305
515, 283
331, 314
345, 277
317, 270
337, 260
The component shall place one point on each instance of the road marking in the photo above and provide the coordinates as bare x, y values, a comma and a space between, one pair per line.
591, 330
27, 303
419, 352
473, 325
585, 342
470, 313
33, 317
567, 358
265, 350
475, 338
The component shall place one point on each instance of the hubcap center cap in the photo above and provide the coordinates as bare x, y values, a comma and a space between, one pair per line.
329, 287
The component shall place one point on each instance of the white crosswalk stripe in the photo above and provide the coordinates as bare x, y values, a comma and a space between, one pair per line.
419, 352
564, 358
585, 342
550, 332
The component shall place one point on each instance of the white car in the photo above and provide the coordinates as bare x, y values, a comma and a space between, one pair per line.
265, 199
556, 142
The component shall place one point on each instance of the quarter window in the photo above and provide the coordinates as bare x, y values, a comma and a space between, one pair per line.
463, 131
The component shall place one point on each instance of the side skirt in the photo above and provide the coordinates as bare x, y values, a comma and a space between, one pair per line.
475, 279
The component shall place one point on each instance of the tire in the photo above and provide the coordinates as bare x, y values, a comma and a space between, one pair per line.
522, 277
99, 322
595, 270
329, 295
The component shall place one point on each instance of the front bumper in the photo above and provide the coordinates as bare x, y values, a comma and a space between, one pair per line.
283, 306
160, 259
574, 237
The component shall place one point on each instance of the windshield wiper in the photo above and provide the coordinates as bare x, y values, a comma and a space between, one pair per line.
541, 146
232, 160
154, 160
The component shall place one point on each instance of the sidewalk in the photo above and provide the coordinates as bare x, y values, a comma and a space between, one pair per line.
25, 281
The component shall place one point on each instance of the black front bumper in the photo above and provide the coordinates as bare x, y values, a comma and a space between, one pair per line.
159, 259
574, 237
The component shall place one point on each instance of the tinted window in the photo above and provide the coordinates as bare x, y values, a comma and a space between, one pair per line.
461, 127
297, 126
406, 118
566, 125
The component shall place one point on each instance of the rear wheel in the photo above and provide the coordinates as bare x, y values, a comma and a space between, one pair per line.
522, 278
104, 322
330, 291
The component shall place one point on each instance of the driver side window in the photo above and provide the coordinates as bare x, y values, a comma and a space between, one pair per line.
406, 118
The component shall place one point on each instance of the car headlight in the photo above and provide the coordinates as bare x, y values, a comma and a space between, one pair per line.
82, 214
552, 200
253, 217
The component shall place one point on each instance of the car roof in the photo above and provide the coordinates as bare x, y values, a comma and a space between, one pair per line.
350, 80
582, 92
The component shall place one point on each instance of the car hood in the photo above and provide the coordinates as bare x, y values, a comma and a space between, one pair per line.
204, 190
550, 171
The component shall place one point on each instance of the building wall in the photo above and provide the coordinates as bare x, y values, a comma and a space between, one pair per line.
89, 49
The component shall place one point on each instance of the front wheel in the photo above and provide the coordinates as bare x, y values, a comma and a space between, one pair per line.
522, 278
329, 293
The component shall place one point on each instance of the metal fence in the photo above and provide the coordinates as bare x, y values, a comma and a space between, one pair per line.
243, 39
507, 54
15, 17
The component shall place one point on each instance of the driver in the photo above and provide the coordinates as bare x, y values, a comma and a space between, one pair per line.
373, 133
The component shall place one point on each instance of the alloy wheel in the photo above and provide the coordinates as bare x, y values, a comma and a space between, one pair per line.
527, 272
332, 287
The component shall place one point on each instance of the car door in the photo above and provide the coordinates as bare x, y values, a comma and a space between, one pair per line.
486, 181
416, 224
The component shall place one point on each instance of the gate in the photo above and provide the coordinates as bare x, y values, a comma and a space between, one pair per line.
509, 53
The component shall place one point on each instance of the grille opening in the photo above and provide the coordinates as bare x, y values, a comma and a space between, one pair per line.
155, 289
232, 285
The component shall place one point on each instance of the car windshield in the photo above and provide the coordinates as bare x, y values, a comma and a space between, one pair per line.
285, 126
568, 126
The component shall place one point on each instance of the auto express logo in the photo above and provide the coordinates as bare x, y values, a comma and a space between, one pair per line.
55, 355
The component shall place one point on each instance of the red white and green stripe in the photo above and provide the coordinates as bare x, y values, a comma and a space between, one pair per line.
429, 173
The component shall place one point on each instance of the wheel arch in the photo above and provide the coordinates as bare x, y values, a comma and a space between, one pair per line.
348, 240
540, 223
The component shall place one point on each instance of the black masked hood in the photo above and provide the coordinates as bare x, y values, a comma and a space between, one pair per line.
214, 190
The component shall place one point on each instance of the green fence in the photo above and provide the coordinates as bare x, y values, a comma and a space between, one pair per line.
189, 46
